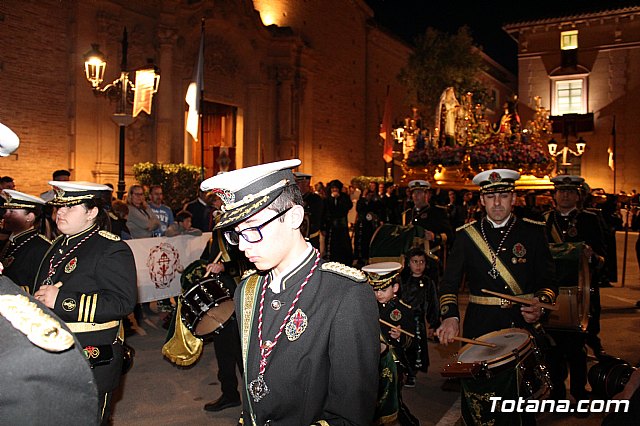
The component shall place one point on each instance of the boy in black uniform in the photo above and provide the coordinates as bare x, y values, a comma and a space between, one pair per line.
397, 326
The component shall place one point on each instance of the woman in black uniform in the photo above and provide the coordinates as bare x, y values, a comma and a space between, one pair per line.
88, 278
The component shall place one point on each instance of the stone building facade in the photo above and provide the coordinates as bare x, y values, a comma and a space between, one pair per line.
284, 79
587, 64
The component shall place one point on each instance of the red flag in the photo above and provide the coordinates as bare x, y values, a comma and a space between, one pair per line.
385, 131
611, 150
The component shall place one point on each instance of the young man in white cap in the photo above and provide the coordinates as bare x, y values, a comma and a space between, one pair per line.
505, 254
308, 329
26, 246
569, 223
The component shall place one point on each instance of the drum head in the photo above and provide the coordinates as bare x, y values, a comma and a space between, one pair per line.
215, 318
507, 341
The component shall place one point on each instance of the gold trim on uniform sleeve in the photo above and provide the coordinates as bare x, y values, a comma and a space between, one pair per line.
87, 327
546, 295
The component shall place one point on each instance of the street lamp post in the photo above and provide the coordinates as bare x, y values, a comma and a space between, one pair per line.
124, 92
581, 144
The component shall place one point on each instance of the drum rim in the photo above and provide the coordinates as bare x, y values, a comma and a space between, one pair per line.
522, 350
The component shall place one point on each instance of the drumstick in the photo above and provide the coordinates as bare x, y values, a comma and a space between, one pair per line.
474, 342
399, 329
214, 261
521, 300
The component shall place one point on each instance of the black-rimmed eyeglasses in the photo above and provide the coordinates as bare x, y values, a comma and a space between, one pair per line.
251, 235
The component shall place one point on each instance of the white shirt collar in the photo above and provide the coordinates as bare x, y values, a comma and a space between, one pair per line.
502, 225
276, 280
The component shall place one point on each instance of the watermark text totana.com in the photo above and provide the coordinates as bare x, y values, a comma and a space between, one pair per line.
522, 405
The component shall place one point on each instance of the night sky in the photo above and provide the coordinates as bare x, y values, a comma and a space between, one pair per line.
408, 18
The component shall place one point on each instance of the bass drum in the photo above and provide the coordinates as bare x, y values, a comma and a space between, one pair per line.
206, 303
574, 287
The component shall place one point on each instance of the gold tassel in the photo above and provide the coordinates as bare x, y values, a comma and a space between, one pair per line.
183, 348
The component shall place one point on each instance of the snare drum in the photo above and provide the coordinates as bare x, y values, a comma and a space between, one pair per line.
206, 307
515, 351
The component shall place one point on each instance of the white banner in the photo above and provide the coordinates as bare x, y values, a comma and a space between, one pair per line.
160, 262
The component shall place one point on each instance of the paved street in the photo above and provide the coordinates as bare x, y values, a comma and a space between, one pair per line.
155, 392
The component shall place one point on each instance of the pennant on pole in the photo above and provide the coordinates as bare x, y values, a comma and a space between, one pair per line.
194, 92
385, 131
143, 96
611, 150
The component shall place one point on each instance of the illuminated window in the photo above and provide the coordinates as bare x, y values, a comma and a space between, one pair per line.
570, 96
569, 40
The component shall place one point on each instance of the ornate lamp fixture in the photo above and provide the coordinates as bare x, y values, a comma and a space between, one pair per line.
124, 91
581, 145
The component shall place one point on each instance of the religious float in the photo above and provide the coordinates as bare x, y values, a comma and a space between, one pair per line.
465, 142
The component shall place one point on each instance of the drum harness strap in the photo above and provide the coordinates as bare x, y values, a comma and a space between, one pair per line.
505, 274
248, 300
555, 234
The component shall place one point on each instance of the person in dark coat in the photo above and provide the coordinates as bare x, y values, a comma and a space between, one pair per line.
419, 290
26, 244
201, 212
505, 254
433, 218
88, 278
230, 266
313, 209
370, 210
336, 225
569, 223
309, 329
45, 378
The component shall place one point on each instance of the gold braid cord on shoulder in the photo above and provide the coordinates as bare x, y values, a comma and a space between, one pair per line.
505, 274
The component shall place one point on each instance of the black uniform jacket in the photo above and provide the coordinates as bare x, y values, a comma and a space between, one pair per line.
399, 314
578, 225
22, 255
99, 286
525, 253
38, 386
325, 364
432, 218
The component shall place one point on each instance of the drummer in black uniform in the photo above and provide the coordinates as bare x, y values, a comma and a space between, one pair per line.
26, 245
569, 223
88, 279
313, 206
432, 218
505, 254
308, 329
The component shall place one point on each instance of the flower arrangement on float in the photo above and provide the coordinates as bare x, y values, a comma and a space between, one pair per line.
473, 144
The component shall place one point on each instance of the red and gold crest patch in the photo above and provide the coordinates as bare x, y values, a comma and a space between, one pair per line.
395, 315
519, 250
69, 267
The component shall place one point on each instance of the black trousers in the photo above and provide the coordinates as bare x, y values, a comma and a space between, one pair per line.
226, 344
569, 355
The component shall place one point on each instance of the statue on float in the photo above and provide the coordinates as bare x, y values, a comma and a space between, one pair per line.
446, 117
